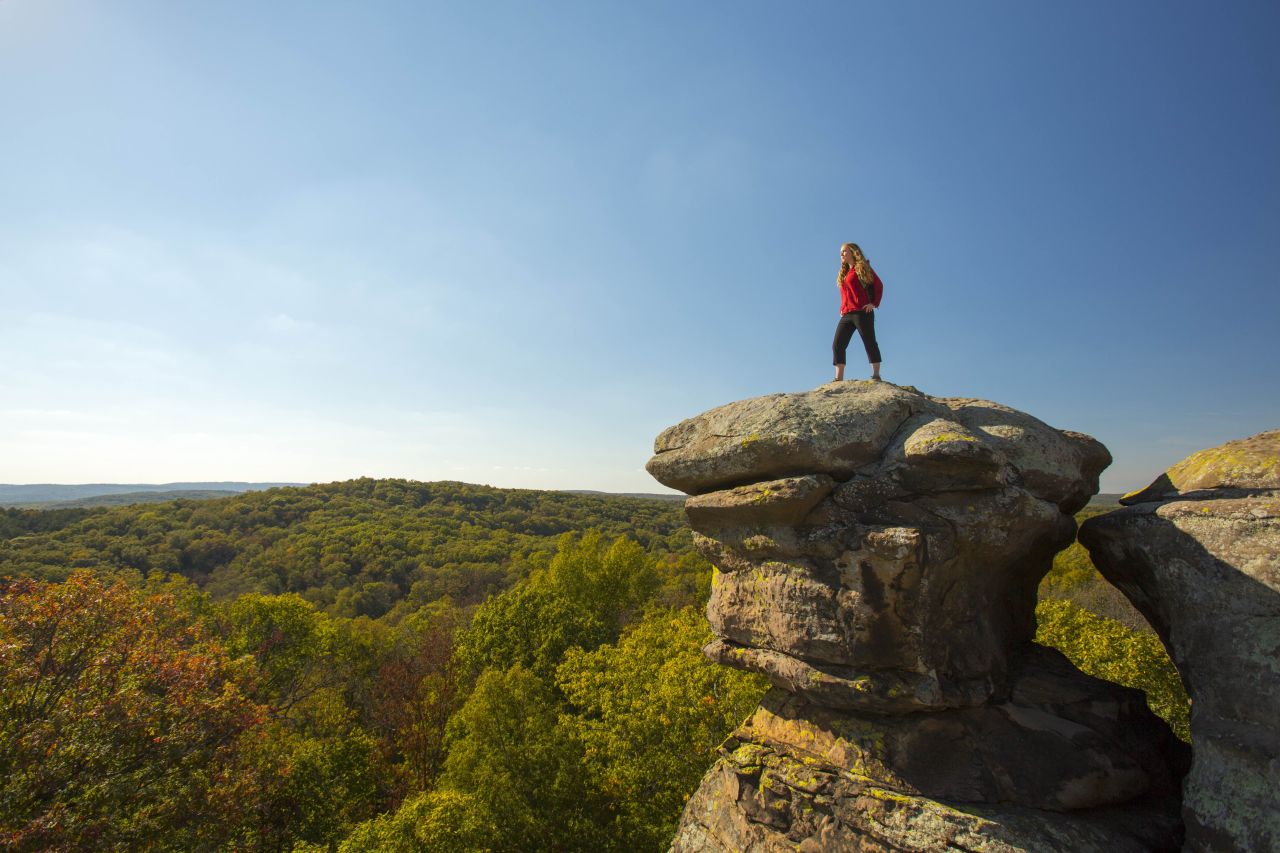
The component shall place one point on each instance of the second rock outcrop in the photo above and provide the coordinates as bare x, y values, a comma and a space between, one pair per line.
1198, 552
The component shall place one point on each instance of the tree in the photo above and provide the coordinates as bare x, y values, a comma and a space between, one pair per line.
292, 643
685, 581
309, 785
584, 597
650, 712
315, 768
118, 724
531, 626
413, 690
431, 822
510, 753
611, 582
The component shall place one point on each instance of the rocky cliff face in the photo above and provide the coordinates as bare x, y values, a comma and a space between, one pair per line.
1198, 552
877, 554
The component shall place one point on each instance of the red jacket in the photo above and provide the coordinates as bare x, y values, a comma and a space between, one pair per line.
853, 296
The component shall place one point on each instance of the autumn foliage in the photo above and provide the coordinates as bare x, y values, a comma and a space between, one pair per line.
118, 720
391, 666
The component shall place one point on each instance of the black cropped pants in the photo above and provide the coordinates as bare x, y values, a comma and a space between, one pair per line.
864, 323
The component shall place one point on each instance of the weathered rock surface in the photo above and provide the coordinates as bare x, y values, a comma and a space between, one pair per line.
758, 799
840, 428
1198, 553
860, 530
877, 555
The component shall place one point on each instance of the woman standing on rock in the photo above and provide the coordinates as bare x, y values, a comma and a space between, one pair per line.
860, 292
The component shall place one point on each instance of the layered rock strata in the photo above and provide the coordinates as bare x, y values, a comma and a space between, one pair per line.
877, 555
1198, 553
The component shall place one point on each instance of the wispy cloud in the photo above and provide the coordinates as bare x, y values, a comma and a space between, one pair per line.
285, 324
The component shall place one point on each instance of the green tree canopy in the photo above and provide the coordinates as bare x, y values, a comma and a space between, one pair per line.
529, 626
511, 754
432, 822
293, 644
363, 547
612, 581
651, 711
587, 593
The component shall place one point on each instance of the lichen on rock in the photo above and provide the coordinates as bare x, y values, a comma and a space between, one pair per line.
1247, 464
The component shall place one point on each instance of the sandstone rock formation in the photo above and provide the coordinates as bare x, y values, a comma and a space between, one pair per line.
878, 553
1198, 553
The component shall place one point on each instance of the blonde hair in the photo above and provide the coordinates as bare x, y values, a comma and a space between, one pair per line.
866, 276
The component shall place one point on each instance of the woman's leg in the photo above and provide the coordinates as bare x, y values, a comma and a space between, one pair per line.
844, 332
866, 323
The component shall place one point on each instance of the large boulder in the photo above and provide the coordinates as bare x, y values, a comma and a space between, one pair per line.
1198, 553
877, 556
876, 548
843, 427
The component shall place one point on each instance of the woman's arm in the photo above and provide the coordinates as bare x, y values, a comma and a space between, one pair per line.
877, 290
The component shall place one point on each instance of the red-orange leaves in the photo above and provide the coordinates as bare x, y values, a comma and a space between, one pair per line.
117, 721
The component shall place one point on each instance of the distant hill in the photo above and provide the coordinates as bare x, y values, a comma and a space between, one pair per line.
126, 498
653, 496
61, 495
359, 547
1105, 499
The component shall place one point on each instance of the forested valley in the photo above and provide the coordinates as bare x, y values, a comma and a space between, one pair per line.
391, 665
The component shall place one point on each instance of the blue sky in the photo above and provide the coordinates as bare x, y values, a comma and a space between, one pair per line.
509, 243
